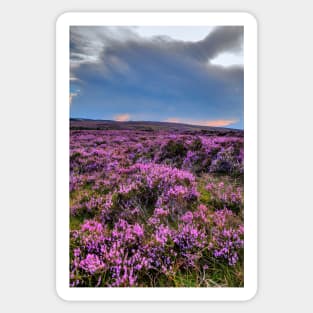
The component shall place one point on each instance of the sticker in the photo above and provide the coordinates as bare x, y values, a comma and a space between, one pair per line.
156, 156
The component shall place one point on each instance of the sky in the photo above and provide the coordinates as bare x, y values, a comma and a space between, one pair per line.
191, 75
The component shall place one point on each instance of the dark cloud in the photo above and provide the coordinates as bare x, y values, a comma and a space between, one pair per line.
222, 39
116, 63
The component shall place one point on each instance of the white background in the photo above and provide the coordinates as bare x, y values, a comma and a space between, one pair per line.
27, 155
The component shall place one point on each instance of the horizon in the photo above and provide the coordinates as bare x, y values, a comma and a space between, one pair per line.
149, 121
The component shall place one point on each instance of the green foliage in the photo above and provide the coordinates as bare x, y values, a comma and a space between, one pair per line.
196, 145
174, 151
186, 279
205, 196
76, 221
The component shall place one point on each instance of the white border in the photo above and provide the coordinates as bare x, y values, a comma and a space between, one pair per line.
62, 155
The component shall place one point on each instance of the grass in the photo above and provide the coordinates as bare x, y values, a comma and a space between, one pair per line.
76, 221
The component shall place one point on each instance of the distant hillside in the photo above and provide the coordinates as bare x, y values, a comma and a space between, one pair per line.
80, 124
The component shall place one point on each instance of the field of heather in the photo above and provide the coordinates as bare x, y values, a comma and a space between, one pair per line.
155, 209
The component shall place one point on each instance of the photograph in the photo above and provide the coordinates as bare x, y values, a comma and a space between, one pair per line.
156, 129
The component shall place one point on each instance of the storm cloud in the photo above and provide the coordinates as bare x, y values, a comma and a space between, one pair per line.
119, 72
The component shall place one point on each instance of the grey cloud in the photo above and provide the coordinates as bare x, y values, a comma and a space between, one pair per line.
87, 42
223, 39
90, 41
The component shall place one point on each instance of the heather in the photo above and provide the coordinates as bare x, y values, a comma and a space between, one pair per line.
155, 209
